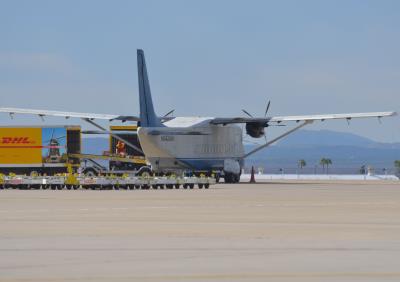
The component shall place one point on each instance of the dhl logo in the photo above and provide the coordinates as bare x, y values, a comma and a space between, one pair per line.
16, 140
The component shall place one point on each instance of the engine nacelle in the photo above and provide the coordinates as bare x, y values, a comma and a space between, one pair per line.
255, 129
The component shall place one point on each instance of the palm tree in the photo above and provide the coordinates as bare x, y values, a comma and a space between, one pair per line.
301, 163
325, 162
328, 162
397, 165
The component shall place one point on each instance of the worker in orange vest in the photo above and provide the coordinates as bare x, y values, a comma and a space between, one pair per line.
120, 148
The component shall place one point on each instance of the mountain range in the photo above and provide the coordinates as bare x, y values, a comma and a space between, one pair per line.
347, 151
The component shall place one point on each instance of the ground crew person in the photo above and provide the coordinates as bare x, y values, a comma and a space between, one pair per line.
121, 149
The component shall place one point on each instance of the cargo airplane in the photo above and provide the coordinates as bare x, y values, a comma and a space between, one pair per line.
195, 143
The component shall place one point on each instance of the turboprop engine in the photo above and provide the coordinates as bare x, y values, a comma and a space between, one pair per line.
255, 129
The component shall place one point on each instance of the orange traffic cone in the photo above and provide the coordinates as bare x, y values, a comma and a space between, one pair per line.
252, 178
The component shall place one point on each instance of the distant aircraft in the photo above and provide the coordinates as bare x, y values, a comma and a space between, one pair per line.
195, 143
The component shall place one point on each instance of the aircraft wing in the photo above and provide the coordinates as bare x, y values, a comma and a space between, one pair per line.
279, 119
239, 120
349, 116
43, 113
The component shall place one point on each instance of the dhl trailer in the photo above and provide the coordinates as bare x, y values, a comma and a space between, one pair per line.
49, 149
38, 149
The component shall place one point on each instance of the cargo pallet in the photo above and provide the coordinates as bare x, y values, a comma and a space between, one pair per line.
74, 182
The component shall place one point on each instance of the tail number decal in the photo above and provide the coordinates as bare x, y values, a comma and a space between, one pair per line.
167, 138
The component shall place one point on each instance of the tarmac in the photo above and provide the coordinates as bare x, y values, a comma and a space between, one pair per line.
276, 231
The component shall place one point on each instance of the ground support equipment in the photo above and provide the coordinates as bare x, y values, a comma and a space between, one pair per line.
110, 182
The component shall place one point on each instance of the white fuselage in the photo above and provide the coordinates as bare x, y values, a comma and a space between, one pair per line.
188, 143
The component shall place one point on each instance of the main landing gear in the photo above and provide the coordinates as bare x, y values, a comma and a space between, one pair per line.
231, 177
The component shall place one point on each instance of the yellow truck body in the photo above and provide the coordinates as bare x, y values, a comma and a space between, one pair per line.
21, 145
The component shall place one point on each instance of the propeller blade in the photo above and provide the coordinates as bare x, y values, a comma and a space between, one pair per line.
247, 113
170, 112
266, 110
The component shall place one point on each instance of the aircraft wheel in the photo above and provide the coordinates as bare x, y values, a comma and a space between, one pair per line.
228, 178
231, 178
236, 178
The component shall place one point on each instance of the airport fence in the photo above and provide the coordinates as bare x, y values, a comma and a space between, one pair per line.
320, 170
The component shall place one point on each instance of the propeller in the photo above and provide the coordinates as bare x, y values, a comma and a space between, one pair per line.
266, 110
265, 115
247, 113
170, 112
166, 117
256, 125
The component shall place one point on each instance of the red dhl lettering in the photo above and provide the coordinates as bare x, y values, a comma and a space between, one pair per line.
16, 140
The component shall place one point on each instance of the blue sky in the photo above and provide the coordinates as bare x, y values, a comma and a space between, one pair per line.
207, 58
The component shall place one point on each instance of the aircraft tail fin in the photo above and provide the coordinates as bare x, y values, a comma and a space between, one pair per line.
148, 117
